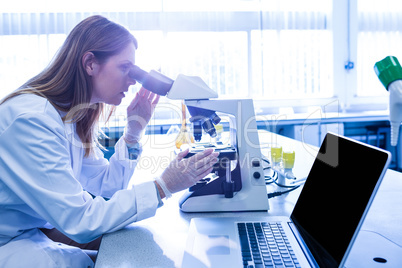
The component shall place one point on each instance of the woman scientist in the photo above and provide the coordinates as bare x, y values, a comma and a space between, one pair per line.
51, 166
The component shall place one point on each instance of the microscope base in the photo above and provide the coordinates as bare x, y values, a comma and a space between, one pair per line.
256, 200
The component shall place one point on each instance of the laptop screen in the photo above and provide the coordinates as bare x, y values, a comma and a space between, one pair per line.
335, 196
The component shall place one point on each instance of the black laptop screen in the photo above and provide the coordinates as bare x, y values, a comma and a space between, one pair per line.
335, 195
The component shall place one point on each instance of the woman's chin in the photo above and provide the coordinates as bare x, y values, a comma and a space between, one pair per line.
117, 101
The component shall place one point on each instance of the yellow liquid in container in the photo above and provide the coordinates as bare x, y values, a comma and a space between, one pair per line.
184, 136
289, 159
276, 154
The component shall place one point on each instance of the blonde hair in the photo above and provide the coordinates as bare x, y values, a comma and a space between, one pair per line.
66, 84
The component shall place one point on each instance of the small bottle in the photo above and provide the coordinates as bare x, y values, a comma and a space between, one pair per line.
389, 72
184, 136
219, 131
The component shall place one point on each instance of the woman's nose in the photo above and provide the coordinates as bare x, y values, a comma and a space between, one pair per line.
131, 81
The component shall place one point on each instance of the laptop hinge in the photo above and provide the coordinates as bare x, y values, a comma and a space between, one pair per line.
303, 245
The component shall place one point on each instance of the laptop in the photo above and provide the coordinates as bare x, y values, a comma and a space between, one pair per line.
322, 228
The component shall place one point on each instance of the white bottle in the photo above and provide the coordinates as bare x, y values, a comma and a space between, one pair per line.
389, 71
395, 109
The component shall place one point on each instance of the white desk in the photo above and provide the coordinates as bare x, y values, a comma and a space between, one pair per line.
160, 241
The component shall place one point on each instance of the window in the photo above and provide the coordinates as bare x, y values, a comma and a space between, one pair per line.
379, 35
278, 52
296, 55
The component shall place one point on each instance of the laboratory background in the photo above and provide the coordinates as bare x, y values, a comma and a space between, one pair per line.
294, 69
308, 65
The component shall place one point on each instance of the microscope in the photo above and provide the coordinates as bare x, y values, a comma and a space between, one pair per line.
237, 181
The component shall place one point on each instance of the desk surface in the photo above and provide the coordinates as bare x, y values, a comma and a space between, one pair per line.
160, 241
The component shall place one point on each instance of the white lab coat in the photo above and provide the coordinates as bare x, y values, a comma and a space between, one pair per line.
45, 179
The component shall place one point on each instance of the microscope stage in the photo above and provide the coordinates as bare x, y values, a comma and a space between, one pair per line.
228, 153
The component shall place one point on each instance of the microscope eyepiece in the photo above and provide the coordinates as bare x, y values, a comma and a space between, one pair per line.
153, 81
137, 74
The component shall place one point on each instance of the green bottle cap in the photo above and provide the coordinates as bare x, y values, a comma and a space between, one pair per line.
388, 70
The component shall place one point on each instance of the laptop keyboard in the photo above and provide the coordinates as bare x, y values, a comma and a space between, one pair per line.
264, 244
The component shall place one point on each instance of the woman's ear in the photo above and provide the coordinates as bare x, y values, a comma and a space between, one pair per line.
89, 63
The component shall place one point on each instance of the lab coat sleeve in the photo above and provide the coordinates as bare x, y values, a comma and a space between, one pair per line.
36, 166
101, 177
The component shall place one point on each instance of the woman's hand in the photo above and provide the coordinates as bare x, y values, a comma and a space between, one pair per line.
139, 112
185, 172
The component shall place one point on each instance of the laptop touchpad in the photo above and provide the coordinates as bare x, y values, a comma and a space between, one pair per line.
212, 244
